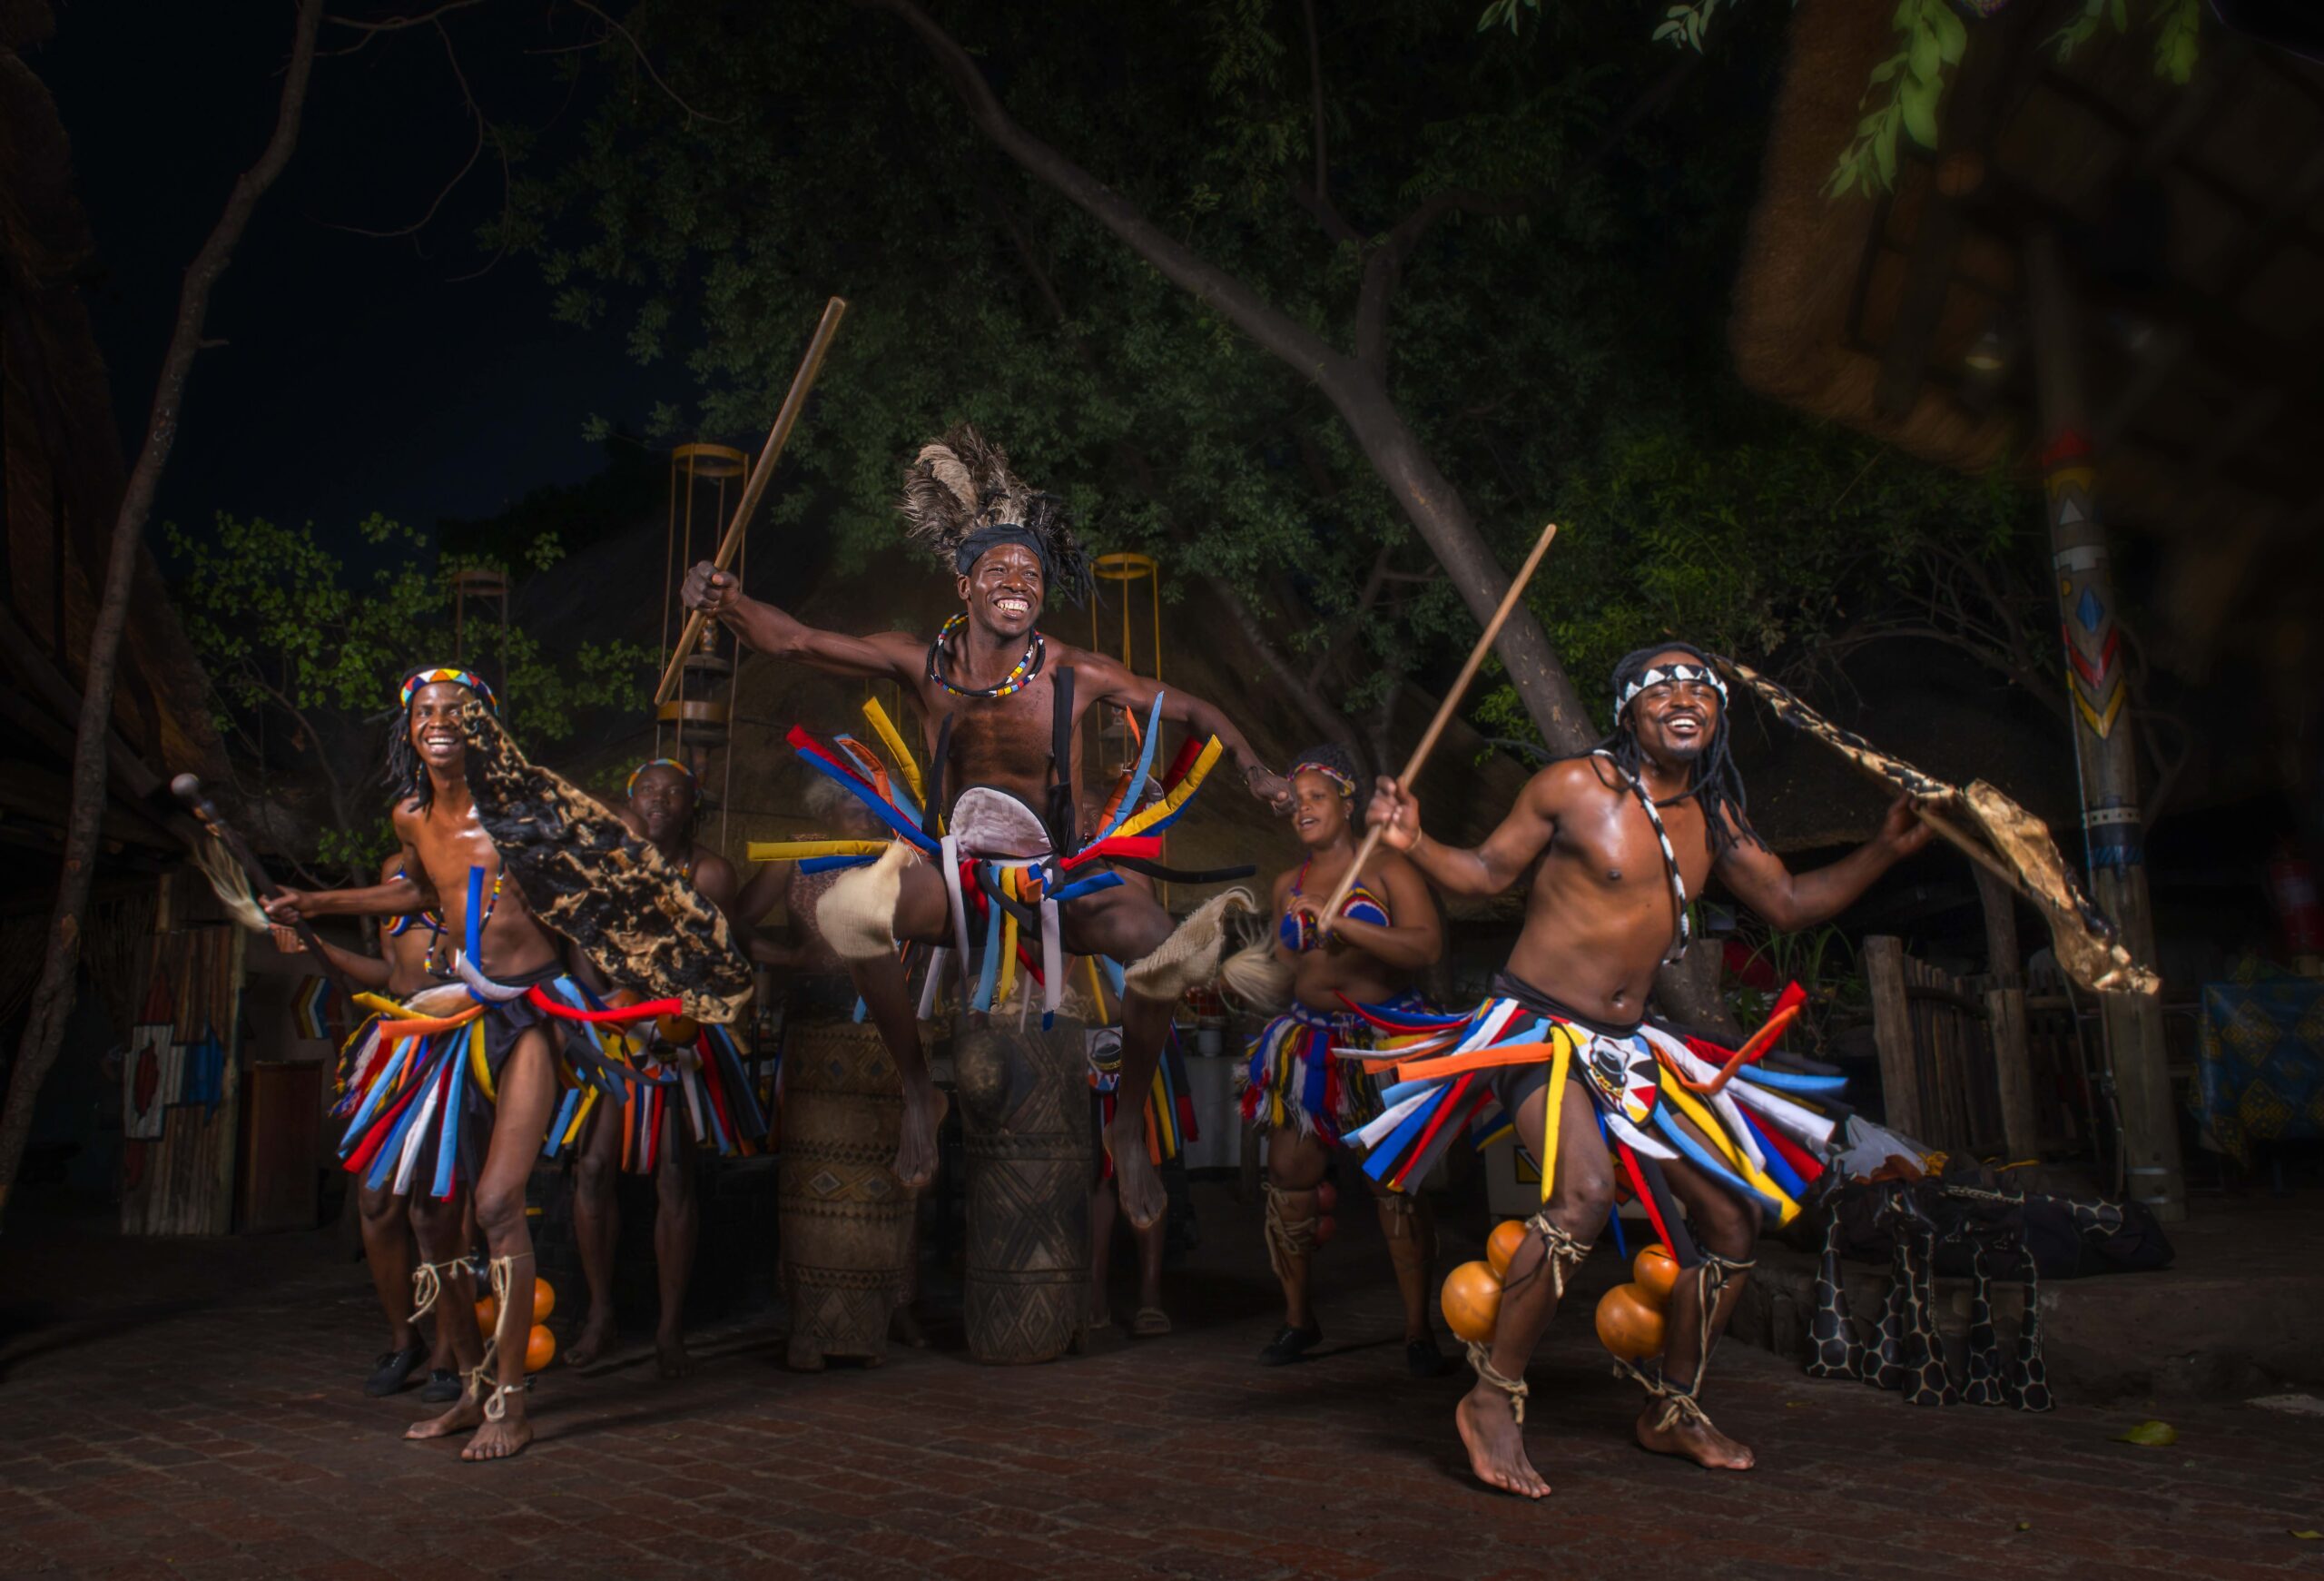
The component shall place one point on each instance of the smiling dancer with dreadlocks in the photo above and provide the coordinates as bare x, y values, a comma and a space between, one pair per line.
459, 1087
1010, 839
700, 1091
1298, 1087
1614, 843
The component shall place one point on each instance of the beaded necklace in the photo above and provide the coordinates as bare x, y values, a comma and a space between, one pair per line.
1015, 680
435, 963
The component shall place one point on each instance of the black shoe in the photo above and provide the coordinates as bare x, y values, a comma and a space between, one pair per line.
442, 1387
393, 1370
1290, 1345
1425, 1360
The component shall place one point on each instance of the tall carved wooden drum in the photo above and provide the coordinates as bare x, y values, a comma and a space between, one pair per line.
1024, 1098
846, 1221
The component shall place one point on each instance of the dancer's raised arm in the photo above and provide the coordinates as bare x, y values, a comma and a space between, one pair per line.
886, 655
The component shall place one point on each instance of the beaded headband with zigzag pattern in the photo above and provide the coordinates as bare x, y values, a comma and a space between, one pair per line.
1659, 674
458, 677
1347, 786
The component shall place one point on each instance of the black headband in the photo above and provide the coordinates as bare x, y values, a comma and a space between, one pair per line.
983, 540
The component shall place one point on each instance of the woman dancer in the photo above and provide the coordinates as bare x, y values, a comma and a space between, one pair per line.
1297, 1087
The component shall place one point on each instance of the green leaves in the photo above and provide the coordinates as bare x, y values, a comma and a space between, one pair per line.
1932, 37
302, 651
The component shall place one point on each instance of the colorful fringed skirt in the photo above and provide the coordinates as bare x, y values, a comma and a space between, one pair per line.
704, 1081
421, 1077
1296, 1078
1004, 879
1169, 1103
1451, 1074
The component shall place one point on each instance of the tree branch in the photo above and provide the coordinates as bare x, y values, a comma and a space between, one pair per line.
639, 50
1315, 196
1275, 332
53, 995
1330, 722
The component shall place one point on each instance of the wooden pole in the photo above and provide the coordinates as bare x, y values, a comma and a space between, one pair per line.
784, 420
1443, 716
2097, 681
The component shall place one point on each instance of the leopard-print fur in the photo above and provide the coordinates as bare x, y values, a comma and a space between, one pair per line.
586, 876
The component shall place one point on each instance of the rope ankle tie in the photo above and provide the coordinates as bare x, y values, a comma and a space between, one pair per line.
1515, 1388
427, 1285
1561, 1253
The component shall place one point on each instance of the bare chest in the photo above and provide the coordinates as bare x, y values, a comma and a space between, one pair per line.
1614, 846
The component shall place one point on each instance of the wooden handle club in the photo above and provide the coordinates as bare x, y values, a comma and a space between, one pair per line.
188, 789
784, 420
1444, 717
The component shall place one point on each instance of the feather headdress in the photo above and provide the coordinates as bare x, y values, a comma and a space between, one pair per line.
961, 499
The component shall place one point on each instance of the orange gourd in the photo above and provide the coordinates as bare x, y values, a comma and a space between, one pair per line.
1656, 1270
1629, 1324
677, 1031
540, 1347
1501, 1245
1471, 1301
544, 1300
488, 1313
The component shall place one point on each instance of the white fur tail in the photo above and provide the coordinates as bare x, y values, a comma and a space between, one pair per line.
857, 915
1188, 958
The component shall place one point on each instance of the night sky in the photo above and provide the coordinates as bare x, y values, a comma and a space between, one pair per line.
360, 374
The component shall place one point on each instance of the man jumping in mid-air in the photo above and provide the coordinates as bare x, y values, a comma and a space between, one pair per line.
1001, 706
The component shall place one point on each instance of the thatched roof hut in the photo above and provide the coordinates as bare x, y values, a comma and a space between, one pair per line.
2193, 220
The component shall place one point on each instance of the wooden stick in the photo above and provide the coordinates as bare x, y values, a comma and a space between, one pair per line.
188, 789
1443, 717
784, 420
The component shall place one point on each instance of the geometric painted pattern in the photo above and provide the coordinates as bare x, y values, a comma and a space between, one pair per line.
2260, 1067
2094, 642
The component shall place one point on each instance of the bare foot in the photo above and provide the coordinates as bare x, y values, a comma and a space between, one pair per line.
498, 1440
466, 1413
1142, 1196
924, 1108
1693, 1438
597, 1339
1496, 1444
670, 1358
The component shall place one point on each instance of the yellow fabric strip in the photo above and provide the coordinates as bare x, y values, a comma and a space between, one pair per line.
892, 739
1140, 822
1553, 1107
1008, 958
383, 1006
1709, 1124
800, 850
477, 1067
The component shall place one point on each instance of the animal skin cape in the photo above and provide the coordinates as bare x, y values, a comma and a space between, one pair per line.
2020, 841
586, 876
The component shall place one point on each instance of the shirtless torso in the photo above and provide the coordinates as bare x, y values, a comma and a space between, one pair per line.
979, 693
1602, 914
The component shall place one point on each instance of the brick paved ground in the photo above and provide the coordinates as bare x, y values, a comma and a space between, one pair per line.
191, 1410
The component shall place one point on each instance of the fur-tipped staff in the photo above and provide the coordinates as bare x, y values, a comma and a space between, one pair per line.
1443, 717
188, 789
784, 420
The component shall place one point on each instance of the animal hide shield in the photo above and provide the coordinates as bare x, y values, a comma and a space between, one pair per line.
2017, 840
584, 874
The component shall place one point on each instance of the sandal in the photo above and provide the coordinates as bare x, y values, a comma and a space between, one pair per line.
1150, 1323
393, 1369
1290, 1345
